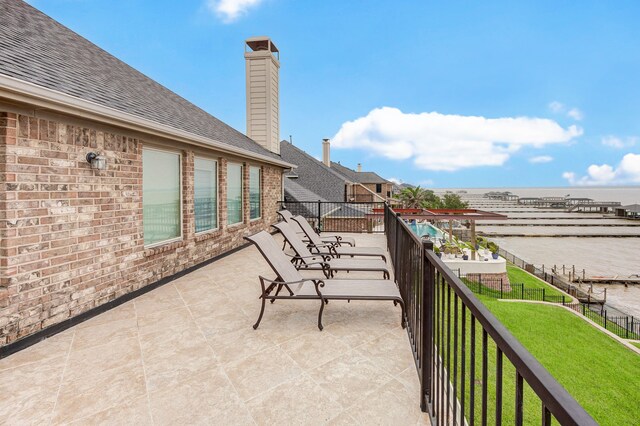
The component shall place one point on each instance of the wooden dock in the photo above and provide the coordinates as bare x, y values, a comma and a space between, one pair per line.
612, 279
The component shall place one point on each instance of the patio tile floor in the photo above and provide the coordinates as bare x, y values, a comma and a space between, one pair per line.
185, 353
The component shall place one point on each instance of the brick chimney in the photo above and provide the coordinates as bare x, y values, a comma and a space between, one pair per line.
359, 167
262, 60
326, 152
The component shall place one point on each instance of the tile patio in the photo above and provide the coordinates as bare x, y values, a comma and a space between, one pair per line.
185, 353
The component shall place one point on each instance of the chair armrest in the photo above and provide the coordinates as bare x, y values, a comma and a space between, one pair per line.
284, 282
324, 257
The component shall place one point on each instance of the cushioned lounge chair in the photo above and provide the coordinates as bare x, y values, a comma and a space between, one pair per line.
316, 245
287, 217
305, 260
288, 278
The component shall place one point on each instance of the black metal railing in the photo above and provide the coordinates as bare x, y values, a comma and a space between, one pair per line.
625, 326
336, 216
463, 353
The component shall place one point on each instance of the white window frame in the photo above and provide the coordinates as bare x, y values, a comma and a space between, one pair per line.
259, 188
180, 179
242, 166
217, 228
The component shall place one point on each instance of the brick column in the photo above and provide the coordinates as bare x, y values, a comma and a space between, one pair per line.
245, 193
8, 130
222, 192
188, 195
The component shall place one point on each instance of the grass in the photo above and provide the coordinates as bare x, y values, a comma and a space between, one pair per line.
599, 372
636, 344
517, 275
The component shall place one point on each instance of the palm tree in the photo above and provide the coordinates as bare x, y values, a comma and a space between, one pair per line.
412, 198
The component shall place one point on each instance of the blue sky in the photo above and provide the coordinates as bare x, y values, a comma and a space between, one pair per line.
444, 94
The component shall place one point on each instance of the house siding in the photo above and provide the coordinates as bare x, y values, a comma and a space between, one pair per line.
71, 238
361, 194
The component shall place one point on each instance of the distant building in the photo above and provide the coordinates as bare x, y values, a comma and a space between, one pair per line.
631, 211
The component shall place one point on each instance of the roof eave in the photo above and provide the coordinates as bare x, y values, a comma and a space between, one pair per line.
17, 90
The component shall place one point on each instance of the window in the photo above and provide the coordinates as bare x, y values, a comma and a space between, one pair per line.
234, 193
254, 192
161, 212
205, 186
378, 188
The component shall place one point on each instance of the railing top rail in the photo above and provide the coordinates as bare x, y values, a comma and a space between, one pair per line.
415, 238
333, 202
559, 402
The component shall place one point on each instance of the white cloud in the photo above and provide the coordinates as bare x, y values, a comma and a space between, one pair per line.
437, 141
395, 180
627, 172
560, 108
231, 10
557, 107
576, 114
541, 159
616, 142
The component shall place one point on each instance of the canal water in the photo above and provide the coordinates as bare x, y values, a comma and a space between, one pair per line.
598, 243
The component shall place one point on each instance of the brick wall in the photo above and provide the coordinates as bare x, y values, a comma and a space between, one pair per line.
71, 238
363, 195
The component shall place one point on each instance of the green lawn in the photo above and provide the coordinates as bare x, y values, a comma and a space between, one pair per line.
600, 373
637, 344
517, 275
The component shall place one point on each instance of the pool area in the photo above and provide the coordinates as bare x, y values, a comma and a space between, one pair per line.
422, 229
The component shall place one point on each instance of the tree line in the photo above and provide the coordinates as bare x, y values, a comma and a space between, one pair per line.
420, 198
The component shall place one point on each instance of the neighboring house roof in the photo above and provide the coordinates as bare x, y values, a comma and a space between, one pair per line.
38, 50
357, 177
346, 172
371, 177
318, 179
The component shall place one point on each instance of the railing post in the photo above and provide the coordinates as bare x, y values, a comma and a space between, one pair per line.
319, 215
397, 241
428, 277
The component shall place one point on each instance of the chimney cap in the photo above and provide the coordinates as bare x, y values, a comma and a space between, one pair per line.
261, 43
325, 140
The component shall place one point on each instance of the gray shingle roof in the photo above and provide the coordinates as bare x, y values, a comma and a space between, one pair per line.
39, 50
370, 177
348, 174
313, 175
357, 177
293, 191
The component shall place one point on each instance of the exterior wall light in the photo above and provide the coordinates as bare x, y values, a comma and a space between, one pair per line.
97, 161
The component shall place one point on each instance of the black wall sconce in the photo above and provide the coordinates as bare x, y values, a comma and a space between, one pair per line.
97, 161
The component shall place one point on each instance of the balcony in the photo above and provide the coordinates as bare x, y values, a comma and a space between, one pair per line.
186, 353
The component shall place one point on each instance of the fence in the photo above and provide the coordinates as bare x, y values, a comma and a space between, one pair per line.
452, 333
495, 288
549, 277
330, 216
625, 326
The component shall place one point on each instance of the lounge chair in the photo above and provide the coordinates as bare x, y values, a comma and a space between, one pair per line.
298, 287
304, 260
287, 217
319, 247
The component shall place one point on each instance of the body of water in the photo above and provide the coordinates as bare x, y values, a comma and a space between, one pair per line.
559, 237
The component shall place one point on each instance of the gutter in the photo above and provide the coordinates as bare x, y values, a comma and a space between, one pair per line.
21, 91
